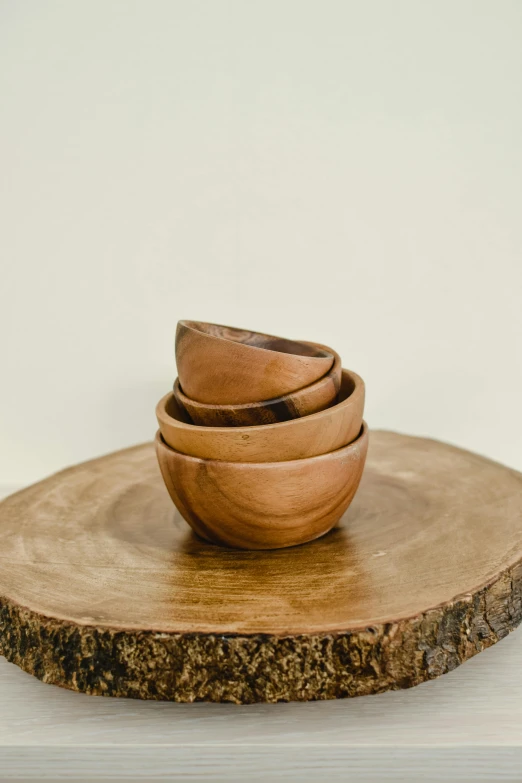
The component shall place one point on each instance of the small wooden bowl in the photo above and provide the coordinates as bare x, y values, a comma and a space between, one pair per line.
220, 365
309, 436
263, 505
311, 399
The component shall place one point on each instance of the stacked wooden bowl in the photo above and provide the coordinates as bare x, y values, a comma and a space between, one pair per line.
262, 442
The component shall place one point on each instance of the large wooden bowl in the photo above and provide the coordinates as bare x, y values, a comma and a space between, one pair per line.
309, 436
263, 505
220, 365
303, 402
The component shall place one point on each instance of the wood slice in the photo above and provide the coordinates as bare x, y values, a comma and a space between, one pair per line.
104, 588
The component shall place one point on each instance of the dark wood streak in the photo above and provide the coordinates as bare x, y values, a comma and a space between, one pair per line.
248, 415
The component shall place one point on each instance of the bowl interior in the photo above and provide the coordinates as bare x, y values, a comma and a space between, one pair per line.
258, 340
175, 411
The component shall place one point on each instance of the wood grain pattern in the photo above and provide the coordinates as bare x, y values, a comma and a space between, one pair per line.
304, 402
263, 505
105, 590
221, 365
308, 436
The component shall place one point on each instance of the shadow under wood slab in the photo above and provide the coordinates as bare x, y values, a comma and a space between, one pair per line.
105, 589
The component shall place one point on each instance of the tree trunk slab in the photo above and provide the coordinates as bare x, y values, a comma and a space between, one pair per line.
104, 589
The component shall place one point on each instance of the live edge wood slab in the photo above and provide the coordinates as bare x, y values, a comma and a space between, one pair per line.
104, 589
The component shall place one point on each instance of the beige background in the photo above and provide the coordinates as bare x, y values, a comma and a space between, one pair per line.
349, 172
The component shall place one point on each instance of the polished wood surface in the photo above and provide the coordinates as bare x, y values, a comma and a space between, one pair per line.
423, 572
304, 402
309, 436
221, 365
263, 505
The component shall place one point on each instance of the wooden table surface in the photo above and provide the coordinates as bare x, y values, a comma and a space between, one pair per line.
465, 726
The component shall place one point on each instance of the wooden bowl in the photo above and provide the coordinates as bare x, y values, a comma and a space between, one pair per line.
311, 399
309, 436
263, 505
220, 365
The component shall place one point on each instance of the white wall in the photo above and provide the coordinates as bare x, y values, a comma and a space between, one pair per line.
343, 171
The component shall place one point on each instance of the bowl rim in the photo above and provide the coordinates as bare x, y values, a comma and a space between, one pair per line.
325, 351
353, 446
163, 416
